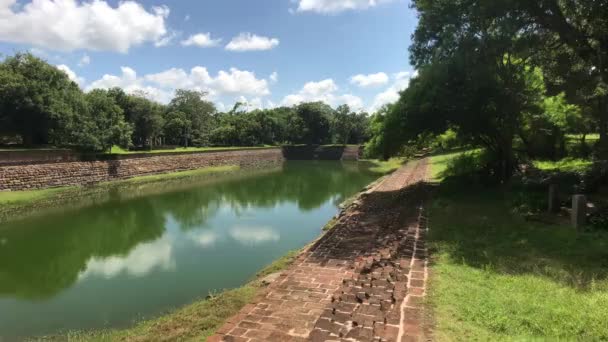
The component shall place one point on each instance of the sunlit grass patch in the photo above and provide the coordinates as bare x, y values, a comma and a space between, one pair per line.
384, 166
27, 196
440, 163
566, 164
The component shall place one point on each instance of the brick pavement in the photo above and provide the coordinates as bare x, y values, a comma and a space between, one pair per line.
364, 280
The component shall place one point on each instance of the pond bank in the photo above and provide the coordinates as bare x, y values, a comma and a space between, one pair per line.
363, 280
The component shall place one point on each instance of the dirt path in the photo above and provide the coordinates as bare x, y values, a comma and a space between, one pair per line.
363, 281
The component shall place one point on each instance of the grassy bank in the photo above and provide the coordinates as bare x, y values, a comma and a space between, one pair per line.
29, 196
385, 166
194, 322
118, 150
497, 276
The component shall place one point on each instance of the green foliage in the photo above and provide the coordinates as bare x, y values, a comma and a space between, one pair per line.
37, 101
102, 125
448, 140
312, 120
198, 112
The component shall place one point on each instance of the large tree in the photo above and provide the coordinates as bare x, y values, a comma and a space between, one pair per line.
102, 125
38, 101
199, 112
313, 121
566, 38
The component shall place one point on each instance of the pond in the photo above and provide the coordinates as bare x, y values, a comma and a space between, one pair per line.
140, 251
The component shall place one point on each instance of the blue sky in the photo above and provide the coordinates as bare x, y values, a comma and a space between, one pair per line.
264, 52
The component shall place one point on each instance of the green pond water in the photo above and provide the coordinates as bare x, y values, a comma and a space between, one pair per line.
123, 254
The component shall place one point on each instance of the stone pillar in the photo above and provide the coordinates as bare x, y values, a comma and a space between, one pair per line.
553, 206
579, 211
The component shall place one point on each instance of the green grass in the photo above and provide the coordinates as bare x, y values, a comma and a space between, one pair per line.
567, 165
384, 166
118, 150
440, 163
194, 322
498, 277
590, 138
28, 196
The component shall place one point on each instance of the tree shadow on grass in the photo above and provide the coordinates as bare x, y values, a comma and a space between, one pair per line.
477, 226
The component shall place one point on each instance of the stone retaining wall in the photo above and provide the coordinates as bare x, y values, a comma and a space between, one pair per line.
39, 176
321, 152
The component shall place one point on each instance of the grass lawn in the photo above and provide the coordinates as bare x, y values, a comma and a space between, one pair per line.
118, 150
566, 164
498, 277
384, 166
194, 322
27, 196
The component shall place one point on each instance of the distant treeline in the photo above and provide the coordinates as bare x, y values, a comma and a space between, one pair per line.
40, 105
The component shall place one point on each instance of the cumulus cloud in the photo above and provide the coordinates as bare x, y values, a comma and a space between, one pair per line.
371, 80
85, 60
324, 91
251, 42
250, 236
274, 77
335, 6
71, 74
401, 81
70, 25
201, 40
161, 86
204, 239
131, 83
140, 261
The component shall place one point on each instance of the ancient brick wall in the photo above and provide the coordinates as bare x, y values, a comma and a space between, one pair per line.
45, 175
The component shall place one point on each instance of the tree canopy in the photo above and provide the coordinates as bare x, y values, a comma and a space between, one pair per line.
42, 106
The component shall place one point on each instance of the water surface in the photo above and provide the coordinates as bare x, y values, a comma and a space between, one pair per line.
144, 250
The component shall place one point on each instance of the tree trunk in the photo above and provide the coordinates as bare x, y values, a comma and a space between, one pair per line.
603, 129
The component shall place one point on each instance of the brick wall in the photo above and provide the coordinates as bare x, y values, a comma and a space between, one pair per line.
39, 176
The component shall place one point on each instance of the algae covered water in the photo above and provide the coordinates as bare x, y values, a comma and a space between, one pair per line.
140, 251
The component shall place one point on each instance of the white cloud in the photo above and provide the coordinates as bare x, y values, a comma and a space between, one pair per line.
204, 239
254, 235
161, 86
71, 74
130, 83
167, 39
324, 91
251, 104
335, 6
251, 42
85, 60
201, 40
274, 77
187, 17
140, 261
354, 102
401, 81
70, 25
371, 80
